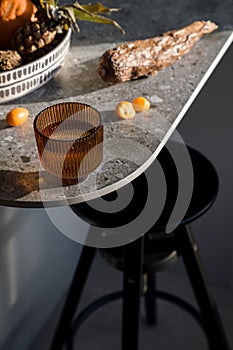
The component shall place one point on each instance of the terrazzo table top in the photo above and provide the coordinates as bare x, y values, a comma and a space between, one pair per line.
129, 146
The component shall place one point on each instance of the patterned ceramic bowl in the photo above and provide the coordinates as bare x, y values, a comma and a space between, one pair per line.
22, 80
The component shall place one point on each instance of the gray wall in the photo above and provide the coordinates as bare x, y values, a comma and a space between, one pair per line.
36, 264
208, 126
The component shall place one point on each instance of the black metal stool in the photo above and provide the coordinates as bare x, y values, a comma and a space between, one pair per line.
147, 255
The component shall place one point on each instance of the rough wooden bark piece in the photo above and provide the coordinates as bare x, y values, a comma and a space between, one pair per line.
135, 59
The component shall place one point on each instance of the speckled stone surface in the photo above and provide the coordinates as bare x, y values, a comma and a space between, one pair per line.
127, 144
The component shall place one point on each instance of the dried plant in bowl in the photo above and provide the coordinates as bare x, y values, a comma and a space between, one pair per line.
38, 33
9, 59
34, 27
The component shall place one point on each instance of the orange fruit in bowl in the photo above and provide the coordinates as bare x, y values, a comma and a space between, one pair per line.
13, 14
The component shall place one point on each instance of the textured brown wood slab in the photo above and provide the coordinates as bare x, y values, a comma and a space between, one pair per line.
135, 59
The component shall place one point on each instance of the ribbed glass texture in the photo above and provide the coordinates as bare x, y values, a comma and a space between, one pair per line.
69, 139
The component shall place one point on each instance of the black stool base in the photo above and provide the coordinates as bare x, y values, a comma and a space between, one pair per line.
208, 317
73, 297
109, 298
208, 308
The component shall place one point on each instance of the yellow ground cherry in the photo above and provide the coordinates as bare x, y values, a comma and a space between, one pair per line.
141, 104
17, 116
125, 110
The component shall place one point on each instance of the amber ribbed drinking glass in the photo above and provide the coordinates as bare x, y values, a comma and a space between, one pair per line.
69, 139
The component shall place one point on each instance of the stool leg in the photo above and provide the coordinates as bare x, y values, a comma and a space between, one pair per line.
73, 297
133, 257
209, 312
150, 300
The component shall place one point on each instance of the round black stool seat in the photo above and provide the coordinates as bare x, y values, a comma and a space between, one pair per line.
205, 190
205, 187
204, 193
